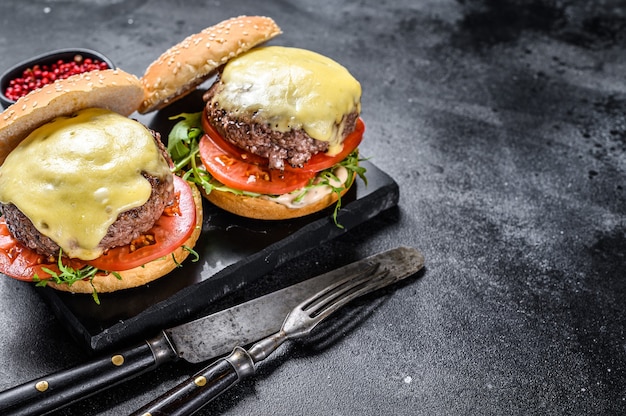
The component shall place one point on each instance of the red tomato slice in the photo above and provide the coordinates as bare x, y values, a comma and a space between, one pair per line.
232, 172
239, 169
22, 263
321, 161
170, 232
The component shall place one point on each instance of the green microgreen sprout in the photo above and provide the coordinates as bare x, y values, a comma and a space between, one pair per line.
69, 275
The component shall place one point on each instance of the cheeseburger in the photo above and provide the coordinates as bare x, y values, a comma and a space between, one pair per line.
280, 130
88, 198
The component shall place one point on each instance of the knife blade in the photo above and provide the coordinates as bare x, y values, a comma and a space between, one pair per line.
196, 341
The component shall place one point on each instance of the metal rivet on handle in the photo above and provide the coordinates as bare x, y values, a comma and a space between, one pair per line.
200, 381
42, 386
117, 360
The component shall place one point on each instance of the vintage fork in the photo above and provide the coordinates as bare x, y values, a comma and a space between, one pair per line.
204, 386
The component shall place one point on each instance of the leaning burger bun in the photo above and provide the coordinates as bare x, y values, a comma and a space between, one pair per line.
141, 275
189, 63
112, 89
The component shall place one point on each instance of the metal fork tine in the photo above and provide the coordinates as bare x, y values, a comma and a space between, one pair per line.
313, 304
305, 317
341, 298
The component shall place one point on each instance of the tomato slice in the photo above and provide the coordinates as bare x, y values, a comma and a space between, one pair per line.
22, 263
231, 170
321, 161
170, 231
239, 169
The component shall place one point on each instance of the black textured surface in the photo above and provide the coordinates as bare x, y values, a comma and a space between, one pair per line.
503, 122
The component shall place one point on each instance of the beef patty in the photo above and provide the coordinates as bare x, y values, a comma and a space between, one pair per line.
294, 147
128, 225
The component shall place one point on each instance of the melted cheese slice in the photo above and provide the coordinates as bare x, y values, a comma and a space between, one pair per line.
74, 175
291, 88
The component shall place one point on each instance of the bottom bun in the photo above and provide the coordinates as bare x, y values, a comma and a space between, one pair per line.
266, 209
141, 275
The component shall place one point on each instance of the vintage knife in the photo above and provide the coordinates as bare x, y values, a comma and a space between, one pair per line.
196, 341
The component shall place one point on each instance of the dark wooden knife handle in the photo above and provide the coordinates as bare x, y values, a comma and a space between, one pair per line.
192, 394
57, 390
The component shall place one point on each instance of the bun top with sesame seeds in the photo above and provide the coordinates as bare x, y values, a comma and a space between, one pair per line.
112, 89
180, 69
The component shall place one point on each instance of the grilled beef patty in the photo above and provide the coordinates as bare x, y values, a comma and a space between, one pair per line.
294, 147
128, 226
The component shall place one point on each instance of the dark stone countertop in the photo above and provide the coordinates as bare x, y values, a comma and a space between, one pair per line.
504, 125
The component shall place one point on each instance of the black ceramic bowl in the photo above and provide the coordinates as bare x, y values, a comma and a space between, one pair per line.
49, 58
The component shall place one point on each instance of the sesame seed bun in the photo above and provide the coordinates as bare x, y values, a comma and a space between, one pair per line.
112, 89
141, 275
180, 69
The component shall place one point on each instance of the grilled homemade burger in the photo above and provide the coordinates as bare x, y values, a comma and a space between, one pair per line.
284, 104
282, 124
282, 130
88, 198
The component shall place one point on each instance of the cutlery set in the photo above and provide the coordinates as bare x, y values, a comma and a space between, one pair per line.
265, 322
